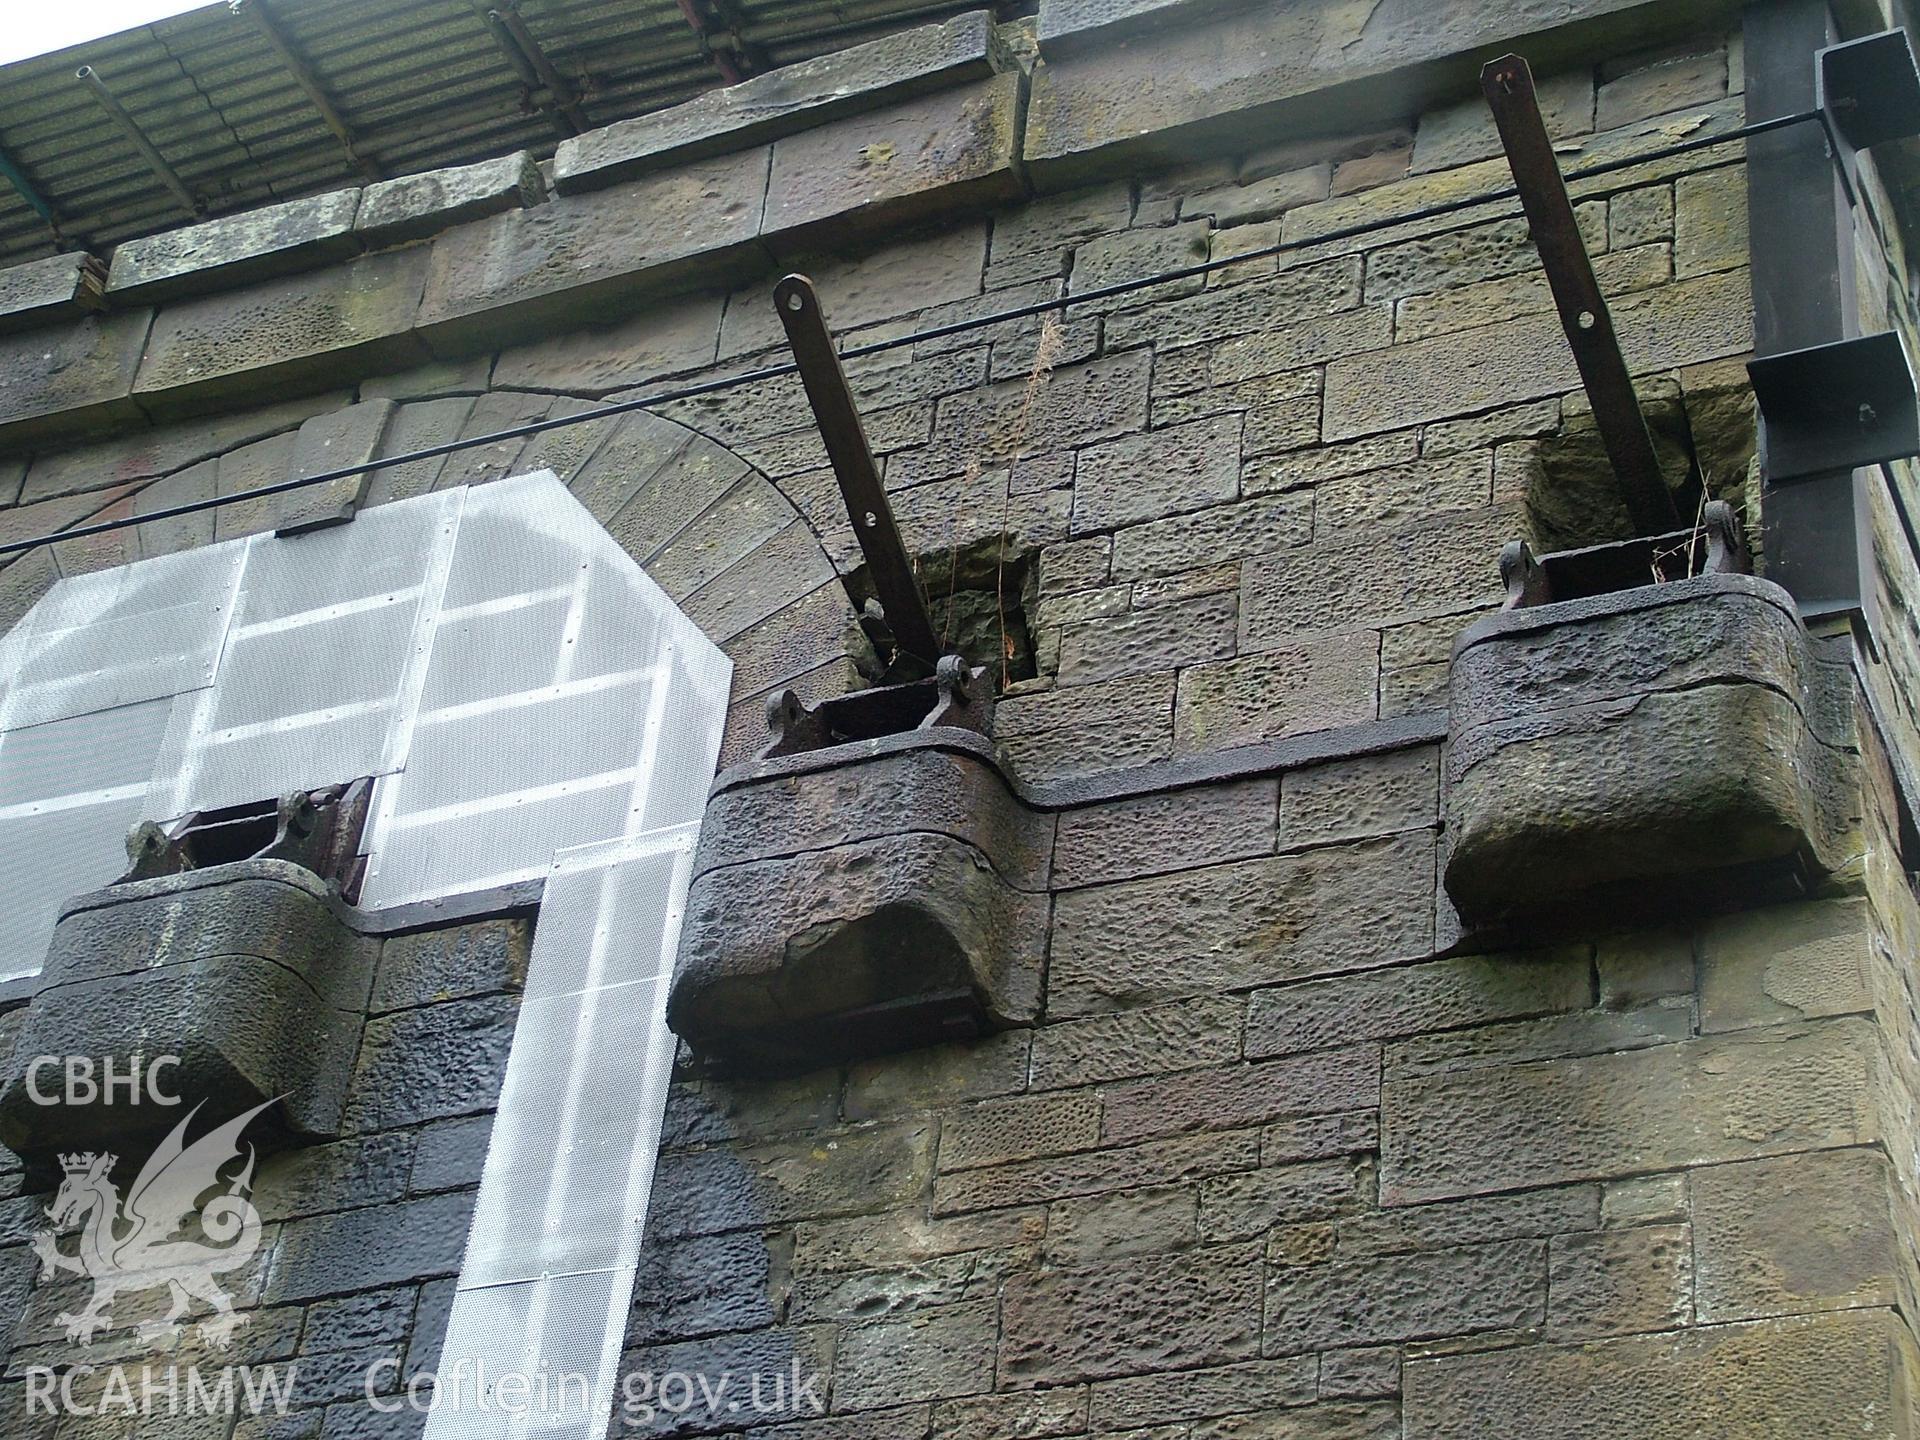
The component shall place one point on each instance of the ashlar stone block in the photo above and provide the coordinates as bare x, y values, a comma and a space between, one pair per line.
1845, 1374
235, 249
1511, 1126
411, 206
932, 155
780, 102
582, 259
58, 288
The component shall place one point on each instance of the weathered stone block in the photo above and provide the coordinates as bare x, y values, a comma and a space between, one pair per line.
1032, 1415
1140, 254
1355, 799
1465, 131
1180, 632
1320, 684
1440, 312
435, 965
1157, 1313
412, 206
327, 327
1096, 1172
1670, 735
1640, 217
1233, 1390
1536, 1213
1329, 1082
888, 896
432, 1062
57, 289
235, 249
583, 259
939, 1075
1170, 831
1020, 1127
1831, 1375
1687, 74
250, 973
1159, 1039
73, 380
1619, 1282
1166, 472
1788, 962
1351, 580
1584, 1032
1221, 533
1299, 304
938, 154
906, 1237
344, 1175
1343, 907
1439, 995
789, 1350
863, 290
1524, 358
1450, 485
1088, 1230
1208, 85
1710, 221
1802, 1232
1263, 198
814, 1177
665, 339
1501, 1127
932, 1355
1311, 342
1248, 1204
1473, 1288
792, 98
1072, 407
164, 450
377, 1245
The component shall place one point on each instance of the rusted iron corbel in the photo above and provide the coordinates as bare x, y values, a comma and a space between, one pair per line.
1508, 86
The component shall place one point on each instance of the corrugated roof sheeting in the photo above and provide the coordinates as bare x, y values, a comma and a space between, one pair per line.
420, 83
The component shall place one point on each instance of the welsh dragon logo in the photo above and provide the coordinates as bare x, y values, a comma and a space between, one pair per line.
136, 1244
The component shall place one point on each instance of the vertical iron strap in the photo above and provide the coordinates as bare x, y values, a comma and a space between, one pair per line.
846, 441
1508, 86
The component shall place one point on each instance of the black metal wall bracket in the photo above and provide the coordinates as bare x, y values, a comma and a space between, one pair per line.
1868, 92
1838, 406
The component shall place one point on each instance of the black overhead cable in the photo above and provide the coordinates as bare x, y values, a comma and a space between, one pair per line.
957, 327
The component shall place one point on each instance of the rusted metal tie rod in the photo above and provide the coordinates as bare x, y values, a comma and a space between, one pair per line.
1508, 86
838, 416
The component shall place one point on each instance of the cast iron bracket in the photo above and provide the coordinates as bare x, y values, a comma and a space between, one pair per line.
1868, 92
1713, 547
1837, 406
1508, 86
956, 697
318, 830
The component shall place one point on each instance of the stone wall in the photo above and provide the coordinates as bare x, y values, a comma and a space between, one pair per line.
1288, 1155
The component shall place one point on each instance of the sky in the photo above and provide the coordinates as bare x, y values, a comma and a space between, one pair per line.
33, 27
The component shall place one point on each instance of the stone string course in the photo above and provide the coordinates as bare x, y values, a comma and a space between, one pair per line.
1281, 1159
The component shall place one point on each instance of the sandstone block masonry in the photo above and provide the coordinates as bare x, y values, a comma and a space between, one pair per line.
1286, 1151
